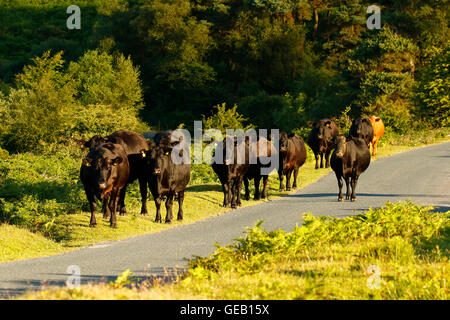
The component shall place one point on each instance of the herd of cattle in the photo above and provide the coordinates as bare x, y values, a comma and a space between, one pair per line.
119, 159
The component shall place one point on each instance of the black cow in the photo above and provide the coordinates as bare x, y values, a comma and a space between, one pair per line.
132, 143
362, 128
320, 140
291, 157
104, 173
254, 171
350, 158
166, 179
230, 172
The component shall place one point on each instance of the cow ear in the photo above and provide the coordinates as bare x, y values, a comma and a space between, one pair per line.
291, 135
117, 161
87, 162
310, 123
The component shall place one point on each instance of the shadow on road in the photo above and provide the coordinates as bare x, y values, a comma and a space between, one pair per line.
387, 195
146, 278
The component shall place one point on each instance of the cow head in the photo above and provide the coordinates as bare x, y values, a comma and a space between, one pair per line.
103, 162
157, 158
358, 125
323, 133
92, 142
284, 141
341, 144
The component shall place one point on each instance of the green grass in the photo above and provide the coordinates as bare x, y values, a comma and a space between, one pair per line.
18, 243
327, 258
42, 194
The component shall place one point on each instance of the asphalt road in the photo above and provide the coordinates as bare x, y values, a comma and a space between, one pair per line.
422, 175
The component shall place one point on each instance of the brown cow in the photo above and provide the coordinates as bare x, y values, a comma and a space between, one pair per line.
292, 156
378, 131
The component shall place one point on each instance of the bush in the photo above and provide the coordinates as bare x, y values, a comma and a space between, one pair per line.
97, 95
36, 189
224, 119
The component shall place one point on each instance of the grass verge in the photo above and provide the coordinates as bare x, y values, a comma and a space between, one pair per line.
400, 251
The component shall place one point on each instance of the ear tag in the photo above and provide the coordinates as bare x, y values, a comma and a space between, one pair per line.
328, 124
87, 164
115, 164
143, 154
167, 153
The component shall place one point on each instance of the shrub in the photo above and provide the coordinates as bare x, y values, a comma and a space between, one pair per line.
224, 119
99, 94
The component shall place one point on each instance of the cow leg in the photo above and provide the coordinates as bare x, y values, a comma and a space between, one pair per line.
238, 192
280, 176
169, 205
158, 208
226, 198
347, 184
316, 155
265, 181
321, 159
180, 205
374, 147
233, 189
122, 209
327, 158
115, 200
106, 209
257, 195
354, 182
294, 183
231, 194
143, 189
93, 207
247, 190
340, 184
288, 180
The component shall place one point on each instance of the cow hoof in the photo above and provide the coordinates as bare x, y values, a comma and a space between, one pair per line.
353, 199
247, 198
122, 214
92, 225
233, 206
294, 187
106, 217
340, 199
158, 221
144, 214
180, 219
257, 198
288, 189
347, 198
168, 221
113, 225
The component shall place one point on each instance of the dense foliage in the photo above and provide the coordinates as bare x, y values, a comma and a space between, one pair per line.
282, 62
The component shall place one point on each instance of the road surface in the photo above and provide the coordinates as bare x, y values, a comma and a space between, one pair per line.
422, 175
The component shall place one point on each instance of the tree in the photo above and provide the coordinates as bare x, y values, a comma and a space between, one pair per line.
433, 89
